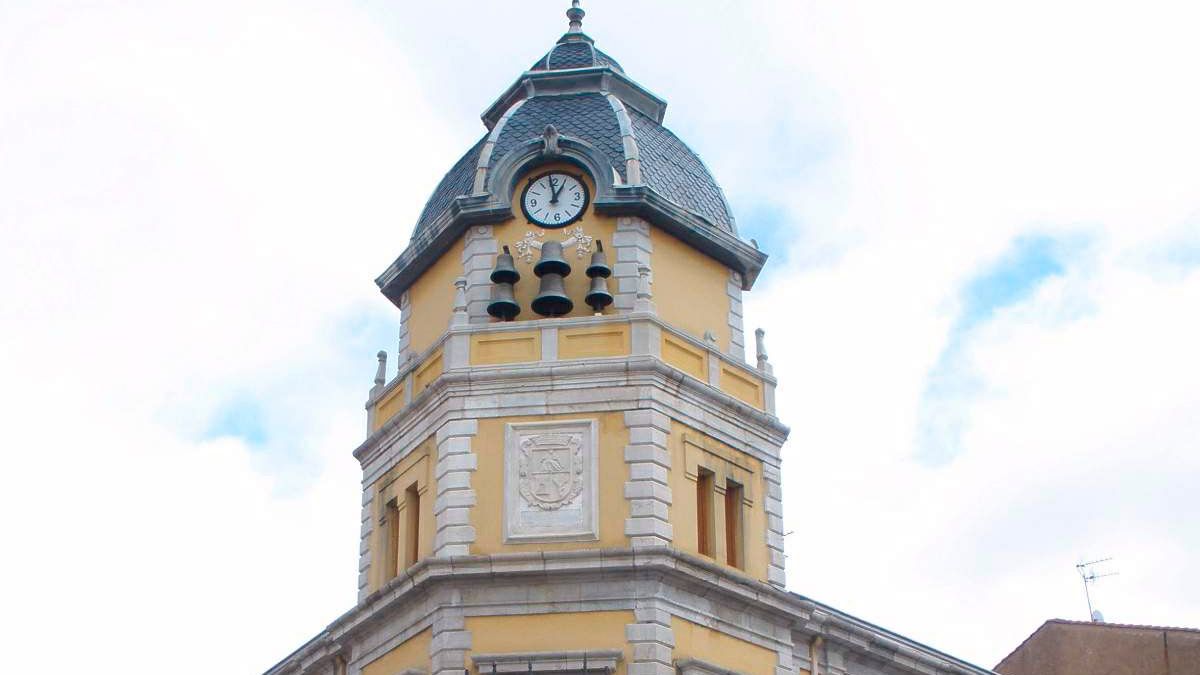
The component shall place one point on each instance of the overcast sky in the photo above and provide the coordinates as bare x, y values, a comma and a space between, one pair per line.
983, 302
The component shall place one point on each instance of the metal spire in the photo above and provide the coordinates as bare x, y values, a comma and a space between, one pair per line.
576, 14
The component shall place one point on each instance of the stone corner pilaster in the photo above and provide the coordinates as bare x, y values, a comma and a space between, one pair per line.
456, 461
450, 642
648, 489
651, 640
478, 257
773, 504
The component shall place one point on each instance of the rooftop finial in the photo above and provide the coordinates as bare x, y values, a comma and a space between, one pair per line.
576, 14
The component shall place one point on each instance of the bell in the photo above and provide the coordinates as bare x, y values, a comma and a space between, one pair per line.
552, 297
552, 261
505, 271
599, 266
503, 306
598, 297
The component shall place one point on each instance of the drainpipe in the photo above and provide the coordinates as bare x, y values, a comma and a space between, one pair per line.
814, 652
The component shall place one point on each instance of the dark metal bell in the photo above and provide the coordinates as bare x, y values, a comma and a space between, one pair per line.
552, 261
506, 270
503, 305
599, 266
598, 296
552, 297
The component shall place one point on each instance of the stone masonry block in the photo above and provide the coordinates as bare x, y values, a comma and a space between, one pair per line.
648, 490
641, 527
455, 499
647, 435
456, 445
655, 454
457, 428
652, 652
652, 615
646, 471
648, 508
649, 632
647, 418
456, 463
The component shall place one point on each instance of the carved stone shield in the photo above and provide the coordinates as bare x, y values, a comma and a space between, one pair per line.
551, 470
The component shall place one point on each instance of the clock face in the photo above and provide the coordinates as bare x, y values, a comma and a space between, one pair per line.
554, 199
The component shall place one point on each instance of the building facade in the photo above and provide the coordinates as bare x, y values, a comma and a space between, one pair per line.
1062, 647
573, 468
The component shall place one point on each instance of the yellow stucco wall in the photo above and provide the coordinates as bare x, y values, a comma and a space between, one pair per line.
689, 288
506, 347
568, 631
741, 385
414, 653
417, 468
427, 372
689, 449
488, 483
678, 353
593, 341
432, 299
699, 642
577, 284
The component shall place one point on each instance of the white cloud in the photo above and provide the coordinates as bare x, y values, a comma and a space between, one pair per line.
196, 197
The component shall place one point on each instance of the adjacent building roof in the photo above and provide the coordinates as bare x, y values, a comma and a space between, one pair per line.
1062, 647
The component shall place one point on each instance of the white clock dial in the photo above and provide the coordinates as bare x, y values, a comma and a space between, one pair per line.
554, 199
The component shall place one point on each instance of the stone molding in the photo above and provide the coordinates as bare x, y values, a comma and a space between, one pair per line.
455, 463
584, 385
655, 583
698, 667
591, 661
648, 489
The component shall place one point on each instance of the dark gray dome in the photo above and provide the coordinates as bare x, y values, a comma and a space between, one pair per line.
575, 54
667, 164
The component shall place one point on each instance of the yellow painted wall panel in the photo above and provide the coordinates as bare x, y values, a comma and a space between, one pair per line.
488, 483
688, 358
690, 288
417, 468
432, 299
507, 347
413, 653
593, 341
691, 449
427, 373
739, 385
567, 631
387, 407
699, 642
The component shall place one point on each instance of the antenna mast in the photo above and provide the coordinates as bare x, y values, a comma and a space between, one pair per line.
1089, 577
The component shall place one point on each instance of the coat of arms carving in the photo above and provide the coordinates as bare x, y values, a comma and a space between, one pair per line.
551, 470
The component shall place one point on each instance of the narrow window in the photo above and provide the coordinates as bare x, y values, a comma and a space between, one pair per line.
733, 524
704, 512
391, 540
412, 540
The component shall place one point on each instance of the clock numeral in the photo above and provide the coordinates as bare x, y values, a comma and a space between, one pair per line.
557, 217
532, 203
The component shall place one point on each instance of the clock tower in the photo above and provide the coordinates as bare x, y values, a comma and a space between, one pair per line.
571, 465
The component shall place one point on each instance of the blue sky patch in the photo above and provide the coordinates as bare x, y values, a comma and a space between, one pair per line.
240, 418
1013, 278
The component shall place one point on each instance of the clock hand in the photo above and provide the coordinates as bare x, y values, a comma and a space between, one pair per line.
554, 196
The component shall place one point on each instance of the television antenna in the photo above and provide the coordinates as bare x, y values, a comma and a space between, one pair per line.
1089, 576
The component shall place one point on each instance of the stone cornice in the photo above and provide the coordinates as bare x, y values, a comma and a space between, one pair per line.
436, 404
667, 565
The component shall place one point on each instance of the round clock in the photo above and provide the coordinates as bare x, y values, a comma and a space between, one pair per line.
554, 199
